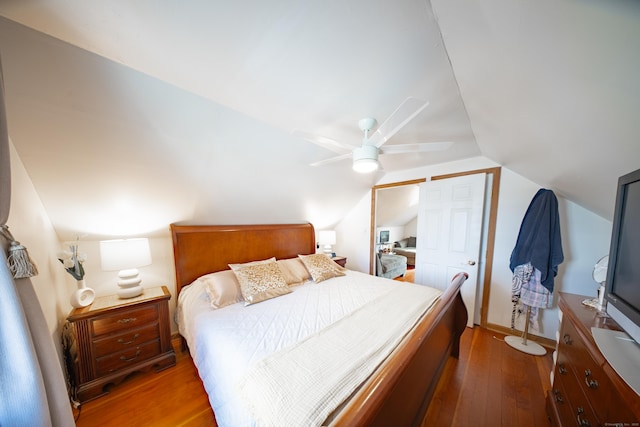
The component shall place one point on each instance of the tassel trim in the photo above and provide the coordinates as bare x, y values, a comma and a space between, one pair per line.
18, 260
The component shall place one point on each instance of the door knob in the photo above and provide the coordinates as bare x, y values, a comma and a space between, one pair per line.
471, 262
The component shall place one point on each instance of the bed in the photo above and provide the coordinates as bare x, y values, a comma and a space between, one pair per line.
399, 387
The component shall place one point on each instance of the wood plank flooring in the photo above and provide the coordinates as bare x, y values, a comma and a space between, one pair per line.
491, 384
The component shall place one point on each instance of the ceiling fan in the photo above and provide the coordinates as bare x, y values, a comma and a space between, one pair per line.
365, 156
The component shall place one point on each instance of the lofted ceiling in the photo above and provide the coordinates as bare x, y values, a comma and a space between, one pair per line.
131, 115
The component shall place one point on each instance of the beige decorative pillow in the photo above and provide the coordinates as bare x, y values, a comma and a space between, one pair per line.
222, 287
294, 271
259, 282
321, 267
247, 264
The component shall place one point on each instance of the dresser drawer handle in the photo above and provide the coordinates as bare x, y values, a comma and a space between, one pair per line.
567, 339
582, 421
557, 396
127, 320
129, 359
123, 342
590, 383
562, 369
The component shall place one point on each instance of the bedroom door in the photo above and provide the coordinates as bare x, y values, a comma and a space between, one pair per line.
450, 234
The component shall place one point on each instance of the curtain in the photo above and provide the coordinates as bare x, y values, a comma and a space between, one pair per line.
32, 384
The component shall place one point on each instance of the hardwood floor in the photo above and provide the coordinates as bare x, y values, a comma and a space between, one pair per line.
491, 384
170, 398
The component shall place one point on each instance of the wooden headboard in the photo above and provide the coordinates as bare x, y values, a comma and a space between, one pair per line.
202, 249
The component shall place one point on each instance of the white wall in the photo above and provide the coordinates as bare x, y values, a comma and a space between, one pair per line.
585, 239
411, 228
30, 225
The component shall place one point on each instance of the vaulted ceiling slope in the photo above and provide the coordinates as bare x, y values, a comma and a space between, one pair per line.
148, 112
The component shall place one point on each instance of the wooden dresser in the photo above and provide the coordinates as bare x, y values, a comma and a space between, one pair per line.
113, 337
586, 391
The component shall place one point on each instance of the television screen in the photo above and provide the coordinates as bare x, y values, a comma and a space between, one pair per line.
623, 274
627, 278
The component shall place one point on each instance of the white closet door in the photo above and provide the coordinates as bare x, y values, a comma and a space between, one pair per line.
450, 234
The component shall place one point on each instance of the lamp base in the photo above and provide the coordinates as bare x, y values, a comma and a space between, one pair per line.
125, 293
129, 284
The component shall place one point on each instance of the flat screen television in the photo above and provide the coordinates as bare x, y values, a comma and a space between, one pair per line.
623, 273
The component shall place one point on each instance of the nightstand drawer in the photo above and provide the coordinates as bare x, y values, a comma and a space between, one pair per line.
129, 357
113, 337
115, 343
124, 320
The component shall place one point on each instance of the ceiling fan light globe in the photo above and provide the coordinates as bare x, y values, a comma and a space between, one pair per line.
365, 159
365, 165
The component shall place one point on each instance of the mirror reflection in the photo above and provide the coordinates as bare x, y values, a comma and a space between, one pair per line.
394, 229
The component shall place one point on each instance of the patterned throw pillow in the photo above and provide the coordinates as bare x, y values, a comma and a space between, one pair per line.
260, 282
321, 267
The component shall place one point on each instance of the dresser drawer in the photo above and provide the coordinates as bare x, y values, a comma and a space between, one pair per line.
129, 357
560, 397
590, 376
125, 340
571, 402
124, 320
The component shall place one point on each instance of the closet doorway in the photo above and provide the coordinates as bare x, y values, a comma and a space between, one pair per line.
488, 233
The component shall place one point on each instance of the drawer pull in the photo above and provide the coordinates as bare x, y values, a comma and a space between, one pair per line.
590, 383
123, 342
582, 421
567, 339
129, 359
562, 369
127, 320
557, 396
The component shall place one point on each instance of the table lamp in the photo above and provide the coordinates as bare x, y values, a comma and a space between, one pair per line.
125, 256
327, 238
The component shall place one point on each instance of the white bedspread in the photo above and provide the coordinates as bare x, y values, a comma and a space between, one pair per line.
227, 343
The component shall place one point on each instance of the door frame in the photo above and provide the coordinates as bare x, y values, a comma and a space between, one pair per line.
491, 227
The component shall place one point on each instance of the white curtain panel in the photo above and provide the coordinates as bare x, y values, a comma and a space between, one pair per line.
32, 385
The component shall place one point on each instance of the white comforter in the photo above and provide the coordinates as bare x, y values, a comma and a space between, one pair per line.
227, 343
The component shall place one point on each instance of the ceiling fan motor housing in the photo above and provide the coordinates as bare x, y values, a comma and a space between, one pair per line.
365, 158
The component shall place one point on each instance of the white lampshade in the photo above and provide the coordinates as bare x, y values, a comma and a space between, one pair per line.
327, 238
125, 255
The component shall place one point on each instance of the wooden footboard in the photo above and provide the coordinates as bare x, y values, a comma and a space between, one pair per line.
399, 392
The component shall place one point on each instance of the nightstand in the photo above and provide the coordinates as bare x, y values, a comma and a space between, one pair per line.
111, 338
340, 260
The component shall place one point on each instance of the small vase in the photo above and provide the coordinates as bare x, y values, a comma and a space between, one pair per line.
83, 296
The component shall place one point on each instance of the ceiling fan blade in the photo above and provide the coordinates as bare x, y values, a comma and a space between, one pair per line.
331, 160
323, 141
413, 148
409, 108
